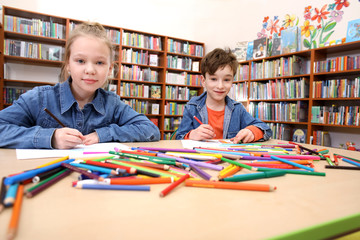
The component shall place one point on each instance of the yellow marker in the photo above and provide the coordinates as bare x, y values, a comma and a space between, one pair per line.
54, 161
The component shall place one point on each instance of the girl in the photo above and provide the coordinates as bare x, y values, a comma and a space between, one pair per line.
90, 114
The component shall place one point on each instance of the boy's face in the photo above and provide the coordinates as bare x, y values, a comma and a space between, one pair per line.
219, 84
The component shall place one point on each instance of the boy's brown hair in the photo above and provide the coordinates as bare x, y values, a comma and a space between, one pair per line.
218, 58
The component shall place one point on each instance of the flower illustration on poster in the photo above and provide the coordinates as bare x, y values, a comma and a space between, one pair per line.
317, 27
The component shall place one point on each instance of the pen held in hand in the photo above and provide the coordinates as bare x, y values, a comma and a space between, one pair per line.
53, 116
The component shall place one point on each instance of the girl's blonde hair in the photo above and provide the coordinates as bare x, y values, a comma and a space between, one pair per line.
91, 29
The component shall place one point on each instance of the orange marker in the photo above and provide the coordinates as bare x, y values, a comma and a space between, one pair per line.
229, 185
173, 185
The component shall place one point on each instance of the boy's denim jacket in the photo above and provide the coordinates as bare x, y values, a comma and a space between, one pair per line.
25, 124
235, 118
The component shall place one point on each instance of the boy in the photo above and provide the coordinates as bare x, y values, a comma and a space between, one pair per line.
223, 117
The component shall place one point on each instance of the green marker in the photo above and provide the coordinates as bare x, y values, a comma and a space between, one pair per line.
251, 176
293, 171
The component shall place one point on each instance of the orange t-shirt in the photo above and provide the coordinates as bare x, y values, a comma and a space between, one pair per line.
216, 120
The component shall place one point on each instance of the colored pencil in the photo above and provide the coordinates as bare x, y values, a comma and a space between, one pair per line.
47, 174
201, 173
96, 168
15, 216
351, 162
53, 116
86, 173
112, 187
198, 120
197, 163
111, 166
139, 181
168, 149
54, 161
252, 176
239, 164
229, 185
231, 172
343, 156
292, 163
294, 171
31, 173
343, 167
49, 183
167, 190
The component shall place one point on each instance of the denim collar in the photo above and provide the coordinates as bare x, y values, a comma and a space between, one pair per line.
67, 99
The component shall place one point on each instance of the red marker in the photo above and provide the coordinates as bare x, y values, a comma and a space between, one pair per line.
198, 120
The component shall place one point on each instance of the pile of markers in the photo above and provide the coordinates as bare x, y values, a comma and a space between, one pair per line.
140, 167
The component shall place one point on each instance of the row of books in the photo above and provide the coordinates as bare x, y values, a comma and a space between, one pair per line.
33, 50
181, 47
139, 57
167, 135
183, 78
144, 107
284, 66
11, 94
34, 26
174, 108
238, 92
140, 90
182, 63
337, 64
279, 89
179, 93
287, 133
172, 123
138, 73
290, 41
321, 138
141, 40
242, 73
339, 115
337, 88
283, 111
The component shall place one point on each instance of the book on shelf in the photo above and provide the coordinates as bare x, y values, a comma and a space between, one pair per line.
55, 53
260, 48
155, 108
276, 47
153, 60
240, 50
193, 93
299, 135
353, 31
249, 50
155, 91
155, 121
290, 40
299, 65
196, 66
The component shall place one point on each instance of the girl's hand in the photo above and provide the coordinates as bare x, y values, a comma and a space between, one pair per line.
244, 135
204, 131
66, 138
91, 138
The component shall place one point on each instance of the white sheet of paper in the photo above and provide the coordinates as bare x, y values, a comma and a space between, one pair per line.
72, 153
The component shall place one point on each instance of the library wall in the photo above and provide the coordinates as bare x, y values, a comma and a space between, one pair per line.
218, 23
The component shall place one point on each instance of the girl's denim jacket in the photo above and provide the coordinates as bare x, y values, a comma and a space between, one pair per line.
235, 118
25, 124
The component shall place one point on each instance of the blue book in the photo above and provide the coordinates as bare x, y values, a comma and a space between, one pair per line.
249, 51
290, 40
353, 31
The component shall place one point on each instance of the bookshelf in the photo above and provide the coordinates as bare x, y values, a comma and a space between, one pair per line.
154, 74
319, 96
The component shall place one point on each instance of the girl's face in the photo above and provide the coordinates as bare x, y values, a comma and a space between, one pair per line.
89, 65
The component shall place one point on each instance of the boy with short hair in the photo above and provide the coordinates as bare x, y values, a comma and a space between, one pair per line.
222, 117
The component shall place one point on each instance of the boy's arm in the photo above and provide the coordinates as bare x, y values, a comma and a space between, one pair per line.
186, 124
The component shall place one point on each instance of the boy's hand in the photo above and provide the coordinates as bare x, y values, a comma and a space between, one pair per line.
204, 131
66, 138
244, 135
91, 138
